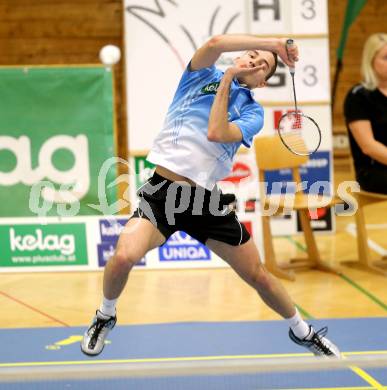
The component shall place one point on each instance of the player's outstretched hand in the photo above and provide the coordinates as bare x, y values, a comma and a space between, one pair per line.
243, 71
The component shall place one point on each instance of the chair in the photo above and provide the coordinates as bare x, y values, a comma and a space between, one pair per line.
365, 262
271, 154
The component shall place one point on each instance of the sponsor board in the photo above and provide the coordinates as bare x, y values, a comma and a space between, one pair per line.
240, 170
182, 247
43, 245
243, 182
106, 250
315, 171
143, 169
250, 205
52, 153
320, 219
110, 229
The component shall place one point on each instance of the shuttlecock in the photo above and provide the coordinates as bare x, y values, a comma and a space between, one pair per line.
110, 55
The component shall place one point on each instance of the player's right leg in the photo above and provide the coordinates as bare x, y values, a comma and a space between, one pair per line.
138, 237
244, 259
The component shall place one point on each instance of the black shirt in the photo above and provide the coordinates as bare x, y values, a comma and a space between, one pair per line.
363, 104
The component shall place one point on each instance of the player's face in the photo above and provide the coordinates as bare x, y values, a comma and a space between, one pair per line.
253, 58
380, 64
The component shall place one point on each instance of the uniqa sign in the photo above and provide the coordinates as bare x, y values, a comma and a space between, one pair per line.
182, 247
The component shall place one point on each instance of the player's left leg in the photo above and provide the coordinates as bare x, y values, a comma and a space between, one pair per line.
245, 260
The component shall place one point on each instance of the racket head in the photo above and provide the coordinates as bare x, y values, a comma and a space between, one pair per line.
299, 133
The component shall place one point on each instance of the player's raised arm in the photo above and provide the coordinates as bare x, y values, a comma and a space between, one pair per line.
219, 128
207, 55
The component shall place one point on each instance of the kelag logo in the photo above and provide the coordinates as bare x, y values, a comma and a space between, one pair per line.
182, 247
210, 89
35, 245
79, 173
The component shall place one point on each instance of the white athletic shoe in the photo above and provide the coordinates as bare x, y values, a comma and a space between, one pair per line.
317, 343
94, 338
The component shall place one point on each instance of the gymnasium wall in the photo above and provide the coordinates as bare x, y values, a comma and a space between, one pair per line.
63, 32
68, 31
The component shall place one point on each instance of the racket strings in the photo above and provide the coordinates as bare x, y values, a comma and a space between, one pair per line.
299, 133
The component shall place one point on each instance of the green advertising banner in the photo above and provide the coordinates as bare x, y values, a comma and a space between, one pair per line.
56, 141
43, 245
143, 169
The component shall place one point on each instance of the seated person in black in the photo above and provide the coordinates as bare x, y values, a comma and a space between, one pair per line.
365, 111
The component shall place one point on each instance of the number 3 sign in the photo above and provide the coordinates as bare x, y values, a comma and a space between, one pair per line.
312, 76
288, 17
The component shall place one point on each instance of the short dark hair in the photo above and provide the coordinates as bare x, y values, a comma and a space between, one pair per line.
274, 67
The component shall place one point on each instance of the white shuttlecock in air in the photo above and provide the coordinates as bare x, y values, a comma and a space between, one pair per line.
110, 55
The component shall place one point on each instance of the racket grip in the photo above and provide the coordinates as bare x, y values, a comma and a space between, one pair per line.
289, 44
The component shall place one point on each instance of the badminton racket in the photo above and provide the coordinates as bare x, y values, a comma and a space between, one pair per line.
298, 132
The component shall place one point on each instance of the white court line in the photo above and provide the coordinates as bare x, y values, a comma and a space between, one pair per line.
351, 229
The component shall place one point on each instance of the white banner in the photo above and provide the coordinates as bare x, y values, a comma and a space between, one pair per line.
267, 17
160, 39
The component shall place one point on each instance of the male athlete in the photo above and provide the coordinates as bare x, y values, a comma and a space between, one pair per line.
212, 114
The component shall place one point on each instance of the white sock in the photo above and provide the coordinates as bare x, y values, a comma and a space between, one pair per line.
299, 327
108, 307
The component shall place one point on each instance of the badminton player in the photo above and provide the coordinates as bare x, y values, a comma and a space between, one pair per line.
212, 114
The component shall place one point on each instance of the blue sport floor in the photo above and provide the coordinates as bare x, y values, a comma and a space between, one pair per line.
198, 341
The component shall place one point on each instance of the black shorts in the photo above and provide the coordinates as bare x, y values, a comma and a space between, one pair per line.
203, 214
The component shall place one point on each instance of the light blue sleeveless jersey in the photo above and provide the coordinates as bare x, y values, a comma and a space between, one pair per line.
182, 145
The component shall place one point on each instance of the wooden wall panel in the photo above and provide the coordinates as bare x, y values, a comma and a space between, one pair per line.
372, 19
